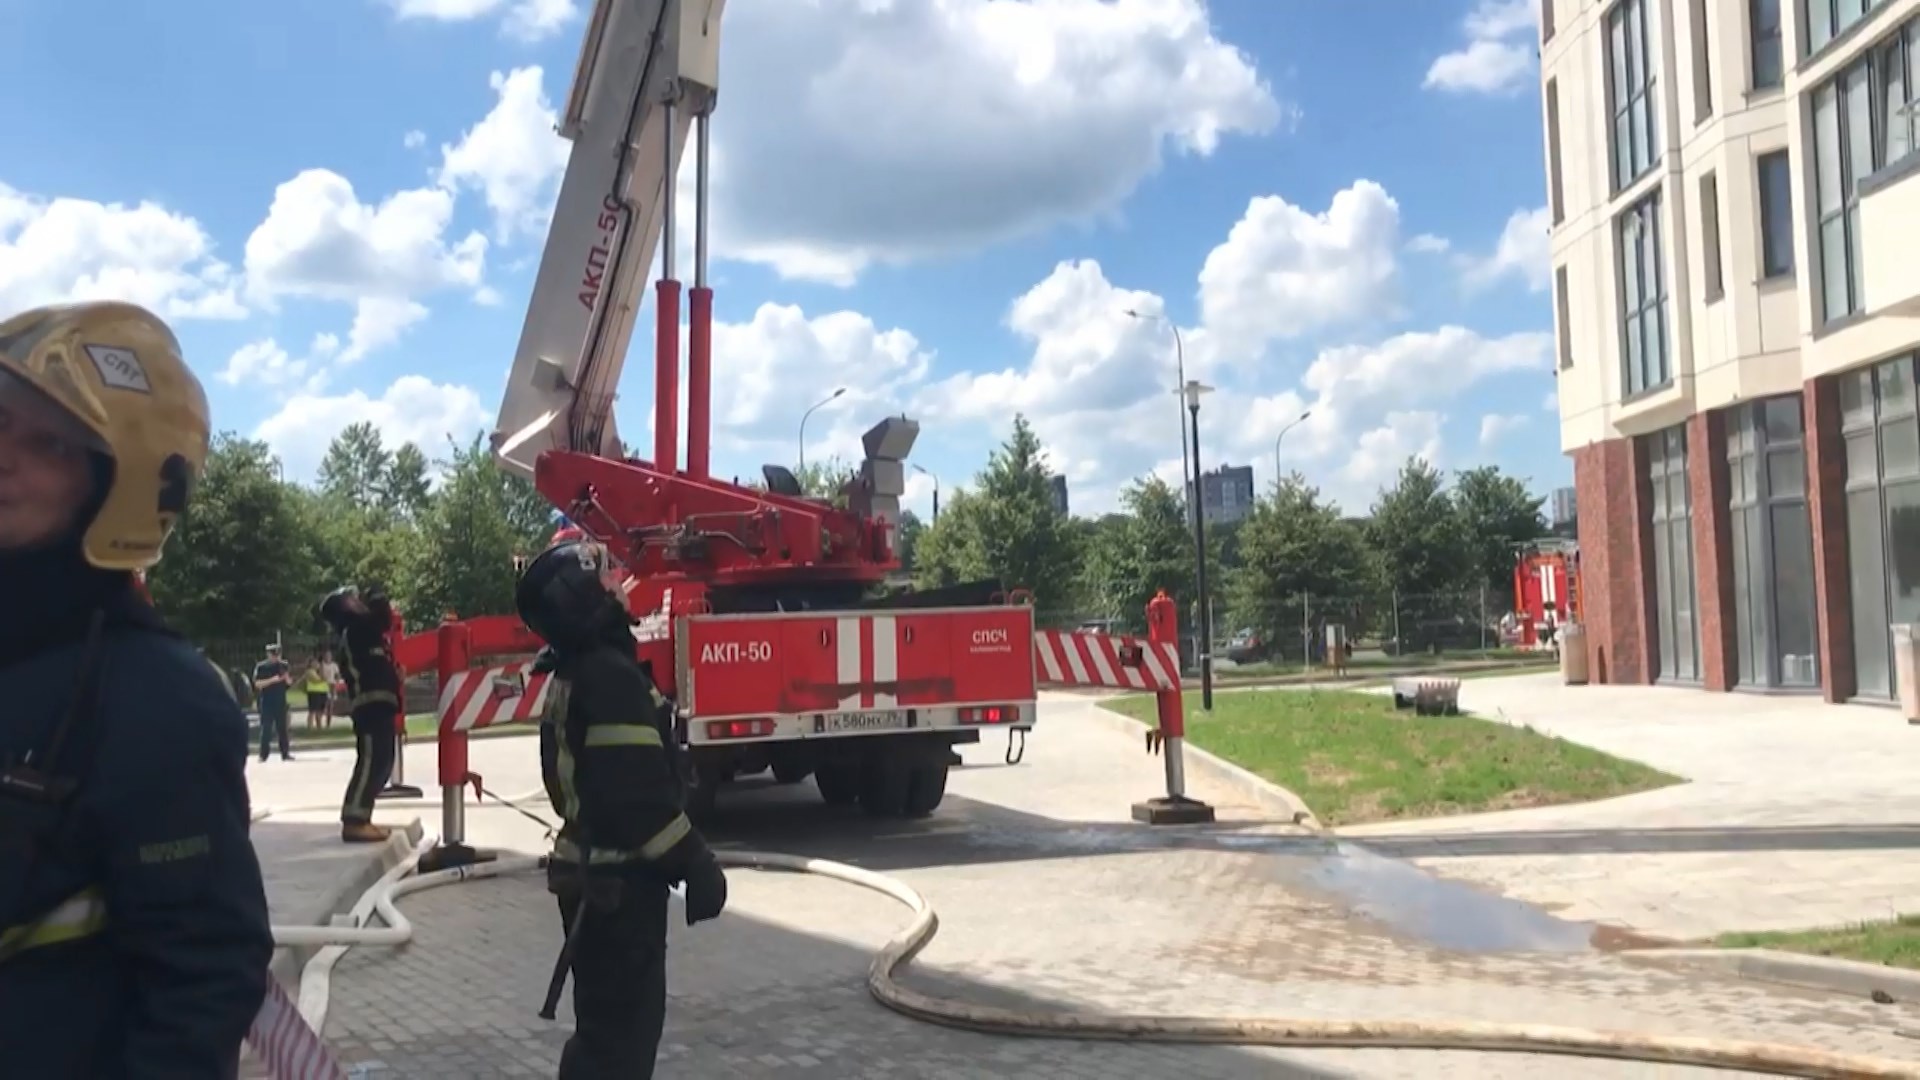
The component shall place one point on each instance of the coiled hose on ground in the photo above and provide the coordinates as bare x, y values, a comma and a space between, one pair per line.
381, 900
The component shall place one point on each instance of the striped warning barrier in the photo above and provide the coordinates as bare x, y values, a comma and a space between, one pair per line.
482, 697
290, 1049
1068, 658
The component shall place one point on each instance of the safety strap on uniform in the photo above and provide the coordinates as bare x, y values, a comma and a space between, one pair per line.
655, 849
81, 915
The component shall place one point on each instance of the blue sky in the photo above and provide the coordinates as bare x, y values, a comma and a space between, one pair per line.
944, 205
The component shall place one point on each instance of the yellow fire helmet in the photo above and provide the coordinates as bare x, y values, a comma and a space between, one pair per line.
117, 369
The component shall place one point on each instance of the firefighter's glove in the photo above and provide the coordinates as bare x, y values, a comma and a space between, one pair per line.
545, 660
706, 890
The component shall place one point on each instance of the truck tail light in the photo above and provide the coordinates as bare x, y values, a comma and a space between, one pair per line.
990, 714
739, 729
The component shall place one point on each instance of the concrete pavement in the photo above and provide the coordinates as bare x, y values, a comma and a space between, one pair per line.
1796, 813
1048, 896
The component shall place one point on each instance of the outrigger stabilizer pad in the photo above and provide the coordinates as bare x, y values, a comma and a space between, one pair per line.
1173, 810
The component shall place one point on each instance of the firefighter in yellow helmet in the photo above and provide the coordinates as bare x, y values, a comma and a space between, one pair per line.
133, 923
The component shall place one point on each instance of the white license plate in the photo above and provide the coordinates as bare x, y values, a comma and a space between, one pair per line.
866, 721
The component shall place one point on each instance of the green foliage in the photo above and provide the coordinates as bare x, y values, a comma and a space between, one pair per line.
1496, 512
826, 480
465, 561
1132, 556
1295, 543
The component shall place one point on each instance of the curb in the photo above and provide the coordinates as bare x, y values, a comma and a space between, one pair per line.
289, 962
1852, 977
1267, 795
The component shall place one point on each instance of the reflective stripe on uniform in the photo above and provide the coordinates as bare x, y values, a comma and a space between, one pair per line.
376, 697
656, 848
623, 735
82, 915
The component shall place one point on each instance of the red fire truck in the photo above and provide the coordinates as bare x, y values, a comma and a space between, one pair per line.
1546, 591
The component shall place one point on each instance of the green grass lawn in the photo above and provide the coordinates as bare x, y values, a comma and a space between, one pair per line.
1355, 759
1361, 667
1895, 943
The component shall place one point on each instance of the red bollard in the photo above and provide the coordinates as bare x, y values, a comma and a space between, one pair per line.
456, 656
1163, 635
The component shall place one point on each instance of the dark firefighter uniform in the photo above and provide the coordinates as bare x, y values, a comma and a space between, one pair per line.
134, 937
608, 758
373, 693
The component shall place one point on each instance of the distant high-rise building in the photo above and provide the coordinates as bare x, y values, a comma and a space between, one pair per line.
1226, 494
1057, 487
1564, 509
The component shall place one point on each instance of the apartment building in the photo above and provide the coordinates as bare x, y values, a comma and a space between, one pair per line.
1734, 187
1226, 494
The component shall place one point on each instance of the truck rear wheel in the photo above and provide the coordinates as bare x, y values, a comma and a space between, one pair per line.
839, 784
885, 787
790, 772
926, 787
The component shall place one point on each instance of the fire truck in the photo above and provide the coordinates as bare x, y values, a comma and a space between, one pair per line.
1546, 591
759, 610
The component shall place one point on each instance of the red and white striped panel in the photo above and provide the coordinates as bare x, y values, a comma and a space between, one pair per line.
286, 1044
1077, 659
483, 697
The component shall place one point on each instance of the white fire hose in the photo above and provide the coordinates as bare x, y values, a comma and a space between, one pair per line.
1759, 1057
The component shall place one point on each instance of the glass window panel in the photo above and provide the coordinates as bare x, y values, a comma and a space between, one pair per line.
1827, 149
1899, 448
1782, 419
1759, 594
1849, 13
1859, 129
1632, 29
1794, 618
1833, 267
1742, 602
1856, 288
1903, 548
1895, 379
1856, 398
1649, 131
1630, 340
1820, 23
1893, 87
1653, 327
1766, 43
1863, 459
1786, 474
1686, 632
1649, 251
1630, 293
1776, 214
1872, 644
1663, 599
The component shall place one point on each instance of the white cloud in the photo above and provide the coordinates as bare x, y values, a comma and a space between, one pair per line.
1429, 244
264, 363
1284, 272
525, 20
1497, 426
414, 140
1524, 252
512, 156
320, 241
853, 132
1380, 453
379, 321
413, 409
1500, 51
53, 250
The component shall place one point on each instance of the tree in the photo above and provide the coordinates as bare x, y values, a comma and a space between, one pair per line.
1296, 546
355, 468
466, 562
825, 480
405, 489
1496, 512
1132, 556
240, 564
1423, 556
1007, 528
907, 533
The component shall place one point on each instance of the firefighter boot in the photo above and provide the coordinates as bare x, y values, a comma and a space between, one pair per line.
363, 832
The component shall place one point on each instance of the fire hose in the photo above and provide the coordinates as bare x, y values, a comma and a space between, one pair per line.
1747, 1056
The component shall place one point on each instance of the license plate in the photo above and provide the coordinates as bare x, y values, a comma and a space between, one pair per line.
866, 721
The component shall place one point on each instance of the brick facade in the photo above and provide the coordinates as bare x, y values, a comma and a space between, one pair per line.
1610, 485
1827, 506
1710, 490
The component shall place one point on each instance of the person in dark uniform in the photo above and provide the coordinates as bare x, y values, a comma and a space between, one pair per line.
134, 938
271, 677
608, 755
373, 692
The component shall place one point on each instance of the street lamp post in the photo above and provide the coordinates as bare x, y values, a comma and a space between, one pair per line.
922, 470
1189, 471
1192, 391
803, 423
1276, 445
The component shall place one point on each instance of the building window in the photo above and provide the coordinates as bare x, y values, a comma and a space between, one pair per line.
1560, 319
1555, 200
1710, 237
1776, 214
1675, 626
1863, 121
1630, 87
1702, 65
1546, 20
1775, 619
1879, 427
1827, 19
1764, 48
1643, 298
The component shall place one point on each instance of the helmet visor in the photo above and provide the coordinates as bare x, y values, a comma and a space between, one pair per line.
38, 425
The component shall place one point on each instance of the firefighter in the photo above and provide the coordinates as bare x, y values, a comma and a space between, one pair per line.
134, 939
609, 758
373, 692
